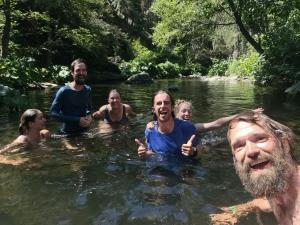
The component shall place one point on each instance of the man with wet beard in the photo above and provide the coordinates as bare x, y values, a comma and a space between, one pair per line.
263, 154
169, 136
72, 102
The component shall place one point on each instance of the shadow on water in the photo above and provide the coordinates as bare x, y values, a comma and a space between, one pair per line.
104, 182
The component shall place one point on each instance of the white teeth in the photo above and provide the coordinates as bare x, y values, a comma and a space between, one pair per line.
256, 163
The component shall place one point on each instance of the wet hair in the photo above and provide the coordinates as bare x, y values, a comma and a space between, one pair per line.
277, 130
76, 62
178, 102
171, 99
113, 90
28, 116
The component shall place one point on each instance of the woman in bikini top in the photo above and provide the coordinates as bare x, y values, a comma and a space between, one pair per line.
115, 111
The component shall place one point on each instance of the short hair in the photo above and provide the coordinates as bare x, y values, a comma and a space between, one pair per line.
28, 116
178, 102
171, 99
76, 62
277, 130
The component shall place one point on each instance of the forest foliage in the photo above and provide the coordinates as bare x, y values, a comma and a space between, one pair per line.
165, 38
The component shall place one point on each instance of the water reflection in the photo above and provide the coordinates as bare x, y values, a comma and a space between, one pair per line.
104, 182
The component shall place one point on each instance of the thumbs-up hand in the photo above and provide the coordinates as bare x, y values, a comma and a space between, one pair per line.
143, 152
187, 149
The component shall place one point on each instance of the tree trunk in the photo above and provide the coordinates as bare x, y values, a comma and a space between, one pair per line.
244, 31
6, 28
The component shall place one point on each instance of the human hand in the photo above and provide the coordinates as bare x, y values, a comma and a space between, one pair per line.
45, 133
96, 114
150, 125
187, 149
143, 152
85, 121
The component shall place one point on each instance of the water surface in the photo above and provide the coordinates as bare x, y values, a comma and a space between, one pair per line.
104, 181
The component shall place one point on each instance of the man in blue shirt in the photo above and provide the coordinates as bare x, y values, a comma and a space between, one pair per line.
169, 136
72, 102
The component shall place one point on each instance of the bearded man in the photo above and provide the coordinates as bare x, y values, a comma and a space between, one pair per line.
263, 155
72, 102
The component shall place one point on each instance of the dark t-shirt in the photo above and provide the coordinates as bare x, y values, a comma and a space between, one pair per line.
69, 105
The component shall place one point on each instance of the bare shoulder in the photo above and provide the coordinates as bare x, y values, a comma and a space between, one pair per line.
22, 139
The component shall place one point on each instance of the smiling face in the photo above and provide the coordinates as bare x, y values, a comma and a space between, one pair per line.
114, 99
162, 107
263, 166
79, 73
184, 111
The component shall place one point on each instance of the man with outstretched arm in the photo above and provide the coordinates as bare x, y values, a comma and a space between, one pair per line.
263, 155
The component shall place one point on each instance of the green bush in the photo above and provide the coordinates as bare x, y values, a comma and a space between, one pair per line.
20, 72
168, 70
218, 68
242, 67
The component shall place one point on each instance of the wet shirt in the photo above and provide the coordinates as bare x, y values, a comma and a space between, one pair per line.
170, 144
69, 105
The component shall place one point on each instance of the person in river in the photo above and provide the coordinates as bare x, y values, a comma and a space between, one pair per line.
115, 112
72, 103
31, 131
169, 135
263, 155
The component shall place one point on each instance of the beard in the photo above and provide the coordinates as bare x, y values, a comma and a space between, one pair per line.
79, 80
269, 180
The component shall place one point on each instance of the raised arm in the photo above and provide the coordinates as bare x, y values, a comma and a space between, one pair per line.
202, 127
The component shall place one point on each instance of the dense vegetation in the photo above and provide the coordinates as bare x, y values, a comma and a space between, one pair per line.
165, 38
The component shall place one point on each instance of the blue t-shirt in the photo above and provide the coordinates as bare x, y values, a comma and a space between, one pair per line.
69, 105
170, 143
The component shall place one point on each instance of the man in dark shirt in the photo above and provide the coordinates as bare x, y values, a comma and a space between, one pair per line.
72, 102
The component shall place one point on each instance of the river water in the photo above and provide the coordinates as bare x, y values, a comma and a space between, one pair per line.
104, 181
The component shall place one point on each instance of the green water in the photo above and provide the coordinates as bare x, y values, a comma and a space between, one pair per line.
104, 181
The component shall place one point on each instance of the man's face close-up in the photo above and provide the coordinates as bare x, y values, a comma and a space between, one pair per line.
260, 162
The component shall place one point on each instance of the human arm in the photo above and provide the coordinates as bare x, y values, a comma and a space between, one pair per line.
20, 141
202, 127
231, 215
100, 113
129, 111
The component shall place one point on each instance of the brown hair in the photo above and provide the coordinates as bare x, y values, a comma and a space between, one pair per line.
277, 130
171, 99
76, 62
28, 116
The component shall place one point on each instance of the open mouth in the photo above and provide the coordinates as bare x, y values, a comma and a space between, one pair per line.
259, 165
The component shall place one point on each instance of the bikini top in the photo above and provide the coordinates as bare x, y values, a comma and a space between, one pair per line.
107, 118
